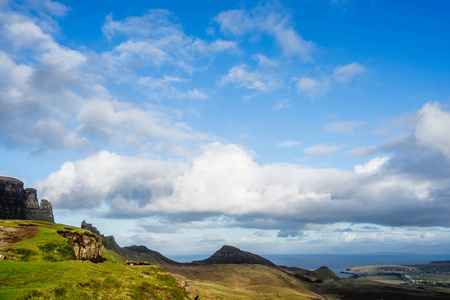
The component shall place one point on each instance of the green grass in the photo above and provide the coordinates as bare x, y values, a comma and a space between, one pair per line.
46, 268
10, 224
85, 280
46, 246
112, 256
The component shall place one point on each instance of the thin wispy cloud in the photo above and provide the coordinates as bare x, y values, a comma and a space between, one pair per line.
266, 19
252, 80
346, 127
287, 144
316, 87
321, 149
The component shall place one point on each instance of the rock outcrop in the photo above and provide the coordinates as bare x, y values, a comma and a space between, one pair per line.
87, 246
21, 204
108, 240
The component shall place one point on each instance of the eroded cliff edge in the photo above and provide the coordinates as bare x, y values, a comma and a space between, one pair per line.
22, 204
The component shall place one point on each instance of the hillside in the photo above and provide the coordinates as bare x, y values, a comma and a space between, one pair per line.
243, 281
40, 263
232, 255
40, 260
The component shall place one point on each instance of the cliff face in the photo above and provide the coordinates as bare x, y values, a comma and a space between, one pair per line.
86, 246
12, 199
21, 204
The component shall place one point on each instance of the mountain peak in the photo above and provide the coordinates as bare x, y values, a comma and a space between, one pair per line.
232, 255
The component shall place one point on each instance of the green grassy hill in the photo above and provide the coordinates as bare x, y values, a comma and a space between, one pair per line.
41, 264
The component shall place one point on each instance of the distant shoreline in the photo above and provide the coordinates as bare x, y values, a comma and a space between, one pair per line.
336, 262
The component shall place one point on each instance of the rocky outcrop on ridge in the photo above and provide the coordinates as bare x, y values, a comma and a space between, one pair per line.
232, 255
22, 204
87, 246
108, 241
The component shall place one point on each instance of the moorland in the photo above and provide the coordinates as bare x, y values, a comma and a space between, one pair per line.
42, 260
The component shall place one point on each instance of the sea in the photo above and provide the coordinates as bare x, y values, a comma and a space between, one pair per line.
336, 262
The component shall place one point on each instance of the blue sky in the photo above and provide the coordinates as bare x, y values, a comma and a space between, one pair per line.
275, 126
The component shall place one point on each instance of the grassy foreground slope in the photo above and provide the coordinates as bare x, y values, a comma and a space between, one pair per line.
243, 281
40, 264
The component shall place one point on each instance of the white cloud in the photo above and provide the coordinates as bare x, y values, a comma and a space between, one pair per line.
432, 128
284, 103
259, 81
156, 39
164, 88
345, 73
361, 151
373, 166
155, 23
224, 180
313, 87
50, 100
264, 61
320, 149
341, 74
37, 95
124, 124
108, 177
216, 47
27, 34
287, 144
54, 8
343, 127
268, 19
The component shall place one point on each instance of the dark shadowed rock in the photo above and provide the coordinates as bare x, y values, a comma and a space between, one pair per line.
17, 203
12, 199
31, 200
233, 255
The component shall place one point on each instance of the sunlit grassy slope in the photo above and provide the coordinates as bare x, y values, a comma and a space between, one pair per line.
43, 267
243, 282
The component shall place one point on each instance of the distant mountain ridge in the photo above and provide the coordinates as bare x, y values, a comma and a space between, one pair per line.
225, 255
158, 256
232, 255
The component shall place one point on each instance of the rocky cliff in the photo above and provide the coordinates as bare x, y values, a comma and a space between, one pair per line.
87, 246
22, 204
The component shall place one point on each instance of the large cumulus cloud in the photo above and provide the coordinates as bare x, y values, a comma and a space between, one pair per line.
225, 180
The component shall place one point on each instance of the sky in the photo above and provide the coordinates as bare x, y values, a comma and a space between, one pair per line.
315, 126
